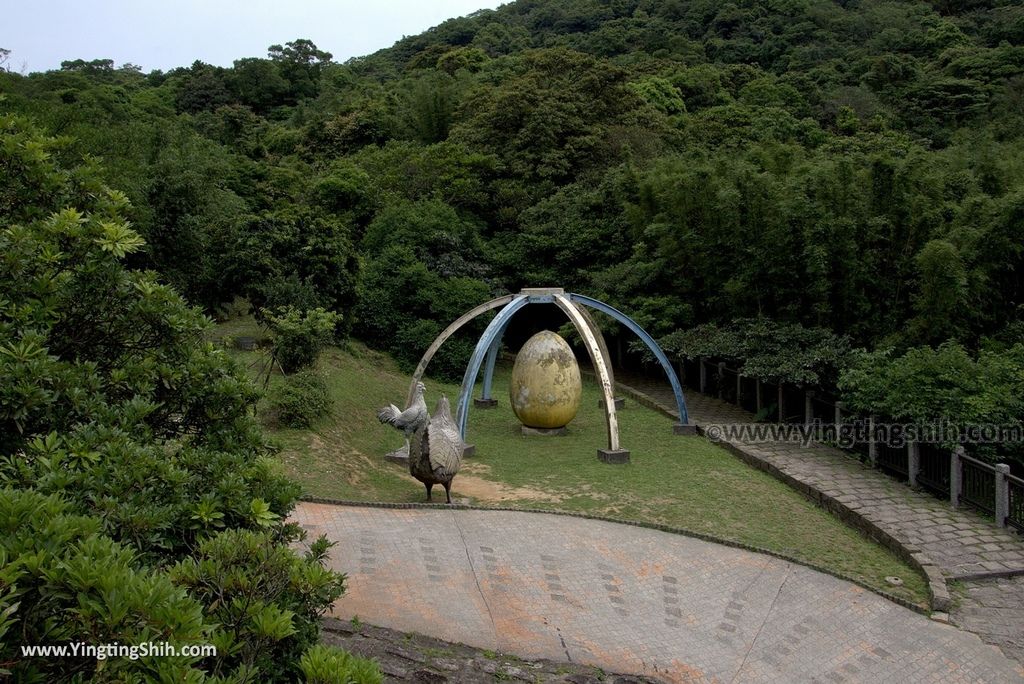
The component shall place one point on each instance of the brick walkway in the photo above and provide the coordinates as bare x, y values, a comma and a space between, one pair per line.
631, 599
950, 544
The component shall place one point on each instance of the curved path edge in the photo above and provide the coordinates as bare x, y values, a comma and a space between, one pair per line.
938, 591
703, 536
673, 606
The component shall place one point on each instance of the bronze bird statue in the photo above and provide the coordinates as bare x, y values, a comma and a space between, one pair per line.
435, 445
435, 454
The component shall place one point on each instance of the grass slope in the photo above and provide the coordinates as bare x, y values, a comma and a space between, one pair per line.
686, 482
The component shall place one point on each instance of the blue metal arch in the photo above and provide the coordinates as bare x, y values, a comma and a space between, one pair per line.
684, 416
492, 357
483, 345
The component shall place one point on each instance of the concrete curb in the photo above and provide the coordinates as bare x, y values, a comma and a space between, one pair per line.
994, 574
648, 401
938, 590
724, 541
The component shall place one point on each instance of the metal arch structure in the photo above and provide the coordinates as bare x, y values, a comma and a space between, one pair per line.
483, 345
601, 344
673, 379
488, 344
462, 320
601, 366
492, 355
487, 347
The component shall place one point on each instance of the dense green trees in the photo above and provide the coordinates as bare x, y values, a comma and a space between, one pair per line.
945, 386
854, 167
778, 183
293, 257
759, 348
138, 501
300, 63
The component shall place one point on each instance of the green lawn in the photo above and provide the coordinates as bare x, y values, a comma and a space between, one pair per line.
680, 481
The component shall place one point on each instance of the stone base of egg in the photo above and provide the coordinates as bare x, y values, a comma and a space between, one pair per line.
543, 432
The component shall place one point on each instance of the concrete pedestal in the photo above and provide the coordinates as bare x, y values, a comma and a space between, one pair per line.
400, 456
613, 456
544, 432
485, 403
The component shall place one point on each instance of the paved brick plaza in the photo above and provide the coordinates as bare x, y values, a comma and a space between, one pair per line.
958, 542
632, 600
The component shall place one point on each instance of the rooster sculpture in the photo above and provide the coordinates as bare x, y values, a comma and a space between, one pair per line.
409, 420
435, 445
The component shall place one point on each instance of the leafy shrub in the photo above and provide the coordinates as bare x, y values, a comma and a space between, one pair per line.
128, 446
61, 581
327, 665
300, 399
300, 335
160, 500
267, 600
946, 384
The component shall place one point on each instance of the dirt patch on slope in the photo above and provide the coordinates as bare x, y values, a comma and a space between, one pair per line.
494, 492
469, 483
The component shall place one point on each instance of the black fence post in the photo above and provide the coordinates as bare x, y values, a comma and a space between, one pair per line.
1002, 494
956, 474
872, 444
913, 463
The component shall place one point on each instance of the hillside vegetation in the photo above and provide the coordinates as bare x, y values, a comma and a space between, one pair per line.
855, 167
819, 192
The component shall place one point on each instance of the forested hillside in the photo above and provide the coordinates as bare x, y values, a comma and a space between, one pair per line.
850, 172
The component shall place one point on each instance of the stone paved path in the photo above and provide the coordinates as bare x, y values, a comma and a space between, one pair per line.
632, 600
957, 543
994, 609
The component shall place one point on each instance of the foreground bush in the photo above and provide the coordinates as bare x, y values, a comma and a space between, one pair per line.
127, 447
266, 600
61, 581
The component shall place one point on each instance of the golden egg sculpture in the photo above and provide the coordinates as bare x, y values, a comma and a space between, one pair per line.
545, 388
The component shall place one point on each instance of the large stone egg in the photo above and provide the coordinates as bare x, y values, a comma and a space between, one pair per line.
545, 388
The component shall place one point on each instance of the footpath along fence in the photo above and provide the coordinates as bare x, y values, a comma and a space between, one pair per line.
949, 474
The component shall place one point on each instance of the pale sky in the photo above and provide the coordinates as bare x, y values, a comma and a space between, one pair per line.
171, 33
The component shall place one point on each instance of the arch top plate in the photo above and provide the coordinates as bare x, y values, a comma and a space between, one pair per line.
534, 291
541, 295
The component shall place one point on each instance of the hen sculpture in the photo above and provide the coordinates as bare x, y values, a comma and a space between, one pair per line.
435, 445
